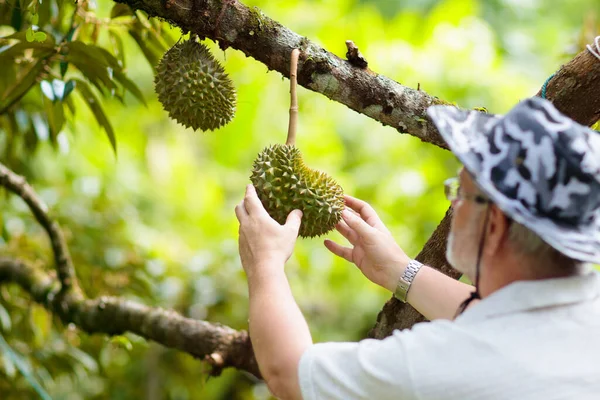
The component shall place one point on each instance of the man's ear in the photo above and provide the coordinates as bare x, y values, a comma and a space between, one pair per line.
497, 231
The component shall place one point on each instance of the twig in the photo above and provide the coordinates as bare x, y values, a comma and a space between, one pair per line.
293, 124
354, 55
62, 257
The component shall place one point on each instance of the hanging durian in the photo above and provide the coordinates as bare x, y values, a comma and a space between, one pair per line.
284, 183
194, 88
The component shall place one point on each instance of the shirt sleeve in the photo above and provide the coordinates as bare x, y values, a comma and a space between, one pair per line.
369, 369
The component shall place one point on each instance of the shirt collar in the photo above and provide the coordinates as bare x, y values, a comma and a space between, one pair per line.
529, 295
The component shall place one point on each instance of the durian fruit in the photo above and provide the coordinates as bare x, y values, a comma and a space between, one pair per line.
284, 183
194, 88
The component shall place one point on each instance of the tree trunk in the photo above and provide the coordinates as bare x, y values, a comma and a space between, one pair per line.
574, 90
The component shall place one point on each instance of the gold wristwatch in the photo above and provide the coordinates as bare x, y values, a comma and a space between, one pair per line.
408, 276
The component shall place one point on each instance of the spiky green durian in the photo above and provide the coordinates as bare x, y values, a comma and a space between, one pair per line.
194, 88
284, 183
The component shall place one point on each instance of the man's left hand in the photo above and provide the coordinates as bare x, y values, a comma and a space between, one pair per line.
264, 243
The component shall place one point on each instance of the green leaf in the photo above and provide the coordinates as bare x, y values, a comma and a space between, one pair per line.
84, 358
5, 233
31, 139
132, 87
23, 367
112, 60
56, 117
22, 86
63, 68
29, 34
122, 341
5, 320
69, 86
151, 55
96, 63
69, 36
96, 108
21, 35
9, 367
69, 102
117, 45
16, 20
95, 53
8, 53
120, 10
39, 36
98, 74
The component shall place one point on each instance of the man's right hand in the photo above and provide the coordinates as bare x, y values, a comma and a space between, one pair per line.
374, 250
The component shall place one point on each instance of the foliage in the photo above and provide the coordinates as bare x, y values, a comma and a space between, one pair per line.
156, 223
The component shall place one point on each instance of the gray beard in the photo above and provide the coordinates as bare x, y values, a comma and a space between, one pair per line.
462, 266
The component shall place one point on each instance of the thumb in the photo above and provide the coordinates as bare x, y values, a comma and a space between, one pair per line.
293, 221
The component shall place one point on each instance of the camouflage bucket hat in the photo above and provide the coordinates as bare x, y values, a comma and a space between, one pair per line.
538, 166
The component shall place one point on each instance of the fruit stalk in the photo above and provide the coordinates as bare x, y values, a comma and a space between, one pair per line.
293, 124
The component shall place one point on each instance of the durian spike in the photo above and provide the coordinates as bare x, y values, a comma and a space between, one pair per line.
293, 125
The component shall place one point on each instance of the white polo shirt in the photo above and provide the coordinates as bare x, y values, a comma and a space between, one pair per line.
528, 340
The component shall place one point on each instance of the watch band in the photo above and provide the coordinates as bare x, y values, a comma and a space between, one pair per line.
406, 280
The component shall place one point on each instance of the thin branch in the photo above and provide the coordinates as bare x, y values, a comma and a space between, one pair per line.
219, 345
62, 257
30, 79
293, 125
355, 56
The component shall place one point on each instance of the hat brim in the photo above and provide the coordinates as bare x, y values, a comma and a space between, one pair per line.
465, 132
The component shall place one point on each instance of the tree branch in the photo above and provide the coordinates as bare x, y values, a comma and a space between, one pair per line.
235, 25
574, 91
62, 257
219, 345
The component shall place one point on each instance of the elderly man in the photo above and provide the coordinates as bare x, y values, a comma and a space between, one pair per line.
525, 226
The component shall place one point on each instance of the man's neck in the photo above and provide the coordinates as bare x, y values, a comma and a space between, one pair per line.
495, 274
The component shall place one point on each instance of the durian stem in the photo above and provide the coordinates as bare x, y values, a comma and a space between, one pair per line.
292, 127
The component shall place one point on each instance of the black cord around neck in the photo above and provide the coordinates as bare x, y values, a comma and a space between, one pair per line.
475, 294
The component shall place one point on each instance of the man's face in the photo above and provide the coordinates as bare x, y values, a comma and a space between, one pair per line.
466, 229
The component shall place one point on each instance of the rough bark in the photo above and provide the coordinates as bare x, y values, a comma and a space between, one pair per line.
62, 257
574, 91
235, 25
217, 344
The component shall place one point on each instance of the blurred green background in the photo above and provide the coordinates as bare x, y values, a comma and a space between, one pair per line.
156, 223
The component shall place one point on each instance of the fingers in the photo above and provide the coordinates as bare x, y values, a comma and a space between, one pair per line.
365, 210
293, 221
240, 211
347, 232
252, 203
360, 206
356, 223
340, 251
